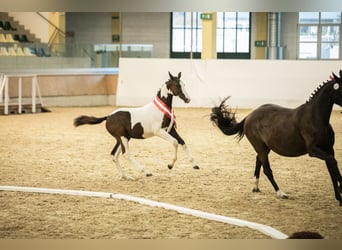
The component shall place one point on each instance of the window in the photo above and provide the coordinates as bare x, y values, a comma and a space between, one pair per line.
319, 35
186, 36
232, 35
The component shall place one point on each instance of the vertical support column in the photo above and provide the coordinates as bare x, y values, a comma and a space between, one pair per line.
209, 36
6, 96
34, 86
261, 33
274, 50
20, 106
2, 79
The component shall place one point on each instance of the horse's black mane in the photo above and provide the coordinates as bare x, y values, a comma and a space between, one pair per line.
333, 78
314, 93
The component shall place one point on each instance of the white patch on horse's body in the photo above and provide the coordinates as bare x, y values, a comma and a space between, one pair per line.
148, 116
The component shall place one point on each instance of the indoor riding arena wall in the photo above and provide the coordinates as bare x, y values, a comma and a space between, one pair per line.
250, 83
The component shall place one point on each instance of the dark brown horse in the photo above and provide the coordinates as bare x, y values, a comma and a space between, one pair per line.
289, 132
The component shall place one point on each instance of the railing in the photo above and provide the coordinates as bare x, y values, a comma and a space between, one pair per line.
74, 55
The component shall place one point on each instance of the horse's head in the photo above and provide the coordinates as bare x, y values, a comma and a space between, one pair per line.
177, 88
337, 86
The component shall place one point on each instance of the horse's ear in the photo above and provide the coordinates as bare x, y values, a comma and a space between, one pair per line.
179, 75
335, 76
171, 76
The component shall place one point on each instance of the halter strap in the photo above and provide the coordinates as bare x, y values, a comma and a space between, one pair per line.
164, 109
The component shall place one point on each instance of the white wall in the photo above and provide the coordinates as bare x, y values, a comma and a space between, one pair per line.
250, 83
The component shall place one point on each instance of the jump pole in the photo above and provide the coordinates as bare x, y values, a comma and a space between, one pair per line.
267, 230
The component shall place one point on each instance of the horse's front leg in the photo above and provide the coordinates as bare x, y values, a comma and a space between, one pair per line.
334, 174
166, 136
174, 133
332, 168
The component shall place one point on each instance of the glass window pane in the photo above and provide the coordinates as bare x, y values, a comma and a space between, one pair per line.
330, 33
230, 20
196, 40
308, 50
198, 22
187, 44
308, 17
230, 41
242, 40
187, 20
243, 19
178, 40
331, 17
178, 19
219, 40
307, 33
329, 50
220, 19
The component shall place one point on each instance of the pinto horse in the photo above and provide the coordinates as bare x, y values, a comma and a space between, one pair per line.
154, 119
289, 132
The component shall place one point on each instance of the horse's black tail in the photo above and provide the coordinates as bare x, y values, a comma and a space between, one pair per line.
224, 119
81, 120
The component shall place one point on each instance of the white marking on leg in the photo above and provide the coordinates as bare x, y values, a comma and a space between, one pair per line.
191, 159
117, 163
135, 163
166, 136
123, 175
281, 194
256, 185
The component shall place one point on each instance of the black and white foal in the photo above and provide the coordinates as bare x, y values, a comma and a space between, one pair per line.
154, 119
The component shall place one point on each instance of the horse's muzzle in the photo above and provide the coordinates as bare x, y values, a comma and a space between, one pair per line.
187, 100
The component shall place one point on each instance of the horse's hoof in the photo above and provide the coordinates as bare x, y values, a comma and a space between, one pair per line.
170, 166
196, 167
148, 174
256, 190
282, 195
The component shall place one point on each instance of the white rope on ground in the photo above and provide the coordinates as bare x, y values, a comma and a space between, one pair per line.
267, 230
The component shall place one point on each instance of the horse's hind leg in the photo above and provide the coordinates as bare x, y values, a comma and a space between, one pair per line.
268, 172
116, 153
146, 171
257, 174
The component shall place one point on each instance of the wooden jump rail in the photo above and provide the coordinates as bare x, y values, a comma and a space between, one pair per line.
4, 92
